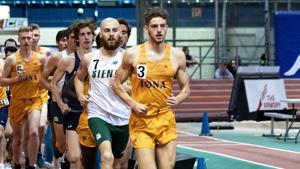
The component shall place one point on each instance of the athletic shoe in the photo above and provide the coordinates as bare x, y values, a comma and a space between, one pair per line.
40, 160
48, 165
57, 163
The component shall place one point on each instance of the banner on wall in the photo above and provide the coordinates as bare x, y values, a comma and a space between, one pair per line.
12, 24
265, 94
287, 43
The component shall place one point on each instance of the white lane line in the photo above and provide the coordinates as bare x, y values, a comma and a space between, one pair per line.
224, 155
295, 152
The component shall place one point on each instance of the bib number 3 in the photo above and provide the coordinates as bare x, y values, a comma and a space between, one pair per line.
141, 71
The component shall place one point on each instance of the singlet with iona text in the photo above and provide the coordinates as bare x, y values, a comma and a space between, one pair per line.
152, 81
28, 88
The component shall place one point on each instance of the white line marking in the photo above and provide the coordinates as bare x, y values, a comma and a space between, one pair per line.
247, 144
224, 155
207, 145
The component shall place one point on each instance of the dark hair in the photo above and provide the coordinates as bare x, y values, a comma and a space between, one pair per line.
71, 29
155, 12
123, 21
10, 49
98, 41
61, 34
10, 40
82, 24
185, 48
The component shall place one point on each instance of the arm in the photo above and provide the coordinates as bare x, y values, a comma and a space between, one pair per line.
60, 71
43, 59
79, 81
217, 74
48, 70
121, 76
183, 80
8, 65
228, 75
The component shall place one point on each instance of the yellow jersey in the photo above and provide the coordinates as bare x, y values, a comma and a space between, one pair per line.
3, 97
28, 88
152, 81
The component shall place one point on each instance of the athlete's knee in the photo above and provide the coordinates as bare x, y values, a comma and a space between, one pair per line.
17, 142
107, 157
34, 133
73, 158
42, 127
2, 132
8, 134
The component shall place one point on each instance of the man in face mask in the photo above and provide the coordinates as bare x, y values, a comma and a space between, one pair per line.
10, 47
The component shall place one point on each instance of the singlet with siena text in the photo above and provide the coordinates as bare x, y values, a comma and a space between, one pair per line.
152, 81
109, 106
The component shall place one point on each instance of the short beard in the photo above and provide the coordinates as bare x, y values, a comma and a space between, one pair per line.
108, 46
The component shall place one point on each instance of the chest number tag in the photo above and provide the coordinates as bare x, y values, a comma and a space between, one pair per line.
141, 71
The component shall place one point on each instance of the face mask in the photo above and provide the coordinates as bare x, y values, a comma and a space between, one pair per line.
11, 49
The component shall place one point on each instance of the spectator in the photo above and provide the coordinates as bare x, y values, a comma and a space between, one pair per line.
223, 73
232, 67
190, 61
10, 46
262, 61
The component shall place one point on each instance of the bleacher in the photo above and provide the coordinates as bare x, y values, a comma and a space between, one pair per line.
213, 96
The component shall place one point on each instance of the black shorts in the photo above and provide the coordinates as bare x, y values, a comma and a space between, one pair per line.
54, 113
71, 120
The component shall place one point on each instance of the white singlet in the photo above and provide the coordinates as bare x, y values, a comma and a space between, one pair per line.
104, 103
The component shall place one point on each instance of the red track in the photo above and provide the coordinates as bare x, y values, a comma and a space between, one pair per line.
256, 154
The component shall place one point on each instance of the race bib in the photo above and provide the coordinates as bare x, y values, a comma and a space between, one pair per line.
4, 102
141, 71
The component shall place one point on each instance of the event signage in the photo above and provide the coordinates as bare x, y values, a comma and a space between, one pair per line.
265, 94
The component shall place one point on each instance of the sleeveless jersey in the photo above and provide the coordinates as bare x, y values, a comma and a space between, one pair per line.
28, 88
3, 93
60, 83
152, 81
104, 103
73, 103
3, 97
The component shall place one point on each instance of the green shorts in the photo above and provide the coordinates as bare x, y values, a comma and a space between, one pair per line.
117, 135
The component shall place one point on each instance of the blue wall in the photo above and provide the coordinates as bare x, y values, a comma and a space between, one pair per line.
287, 43
238, 15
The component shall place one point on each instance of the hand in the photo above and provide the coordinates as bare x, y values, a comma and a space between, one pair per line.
139, 109
84, 100
22, 76
111, 81
64, 108
172, 101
